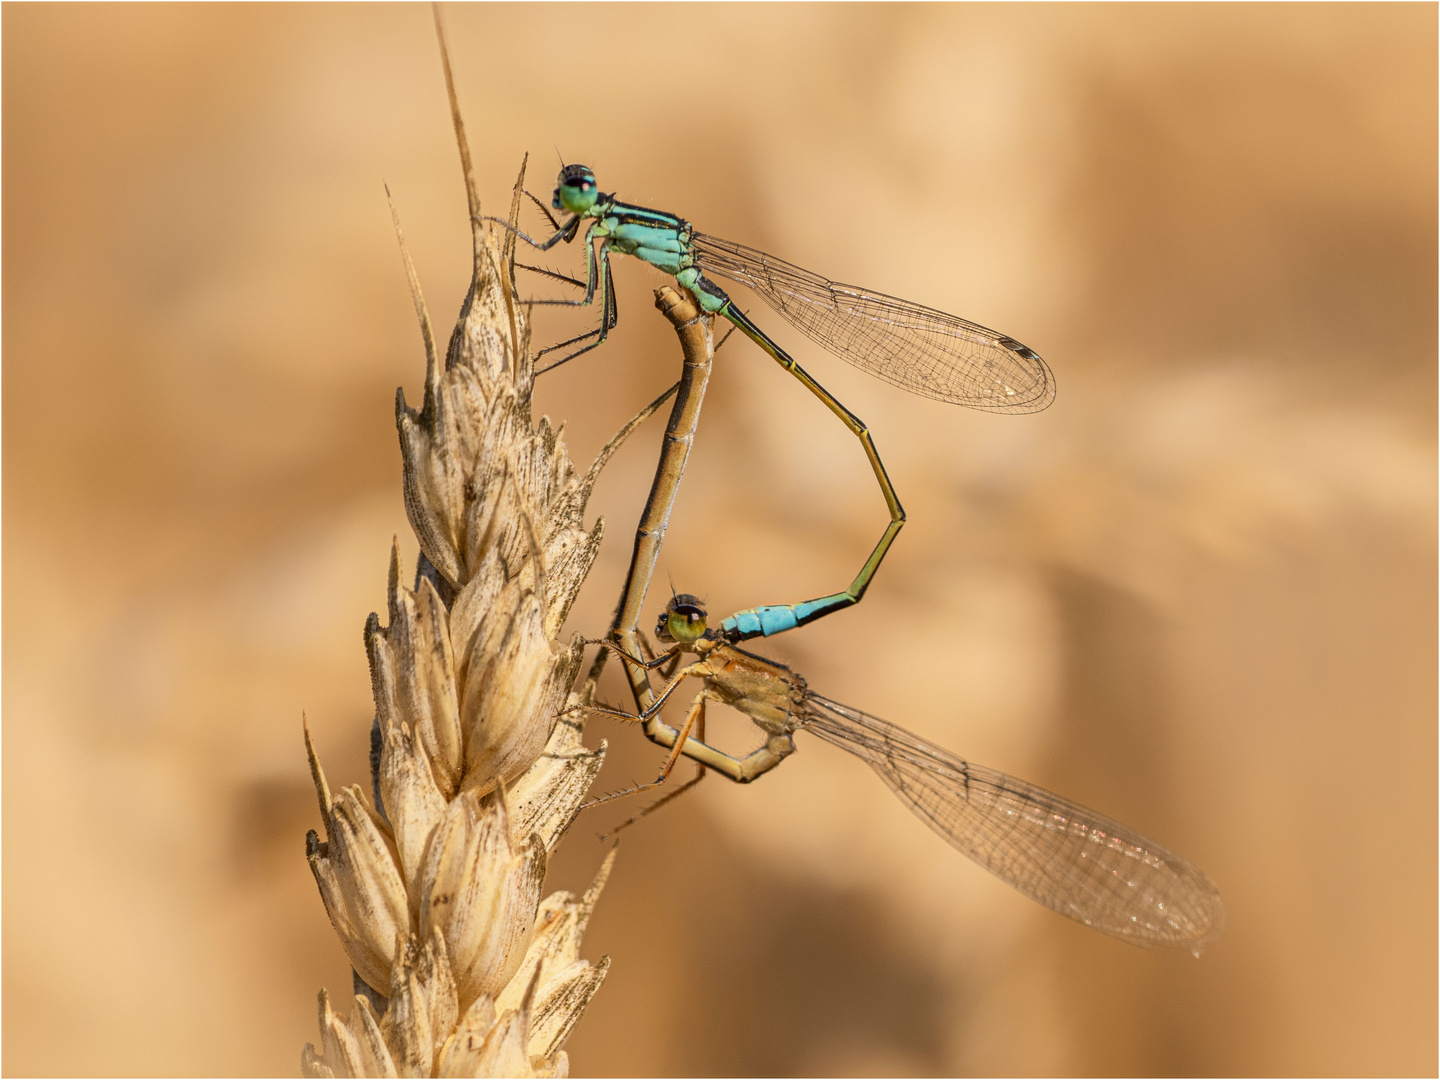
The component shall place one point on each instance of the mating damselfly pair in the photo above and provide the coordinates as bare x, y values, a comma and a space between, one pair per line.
917, 348
1071, 859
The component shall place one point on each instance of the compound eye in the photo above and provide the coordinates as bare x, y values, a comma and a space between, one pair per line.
575, 189
685, 618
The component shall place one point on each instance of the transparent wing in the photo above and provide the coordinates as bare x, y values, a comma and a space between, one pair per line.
920, 349
1070, 859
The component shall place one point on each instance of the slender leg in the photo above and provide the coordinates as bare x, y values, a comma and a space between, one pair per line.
597, 277
545, 210
561, 344
552, 274
652, 711
697, 713
564, 232
670, 797
647, 660
742, 770
773, 619
594, 254
609, 310
668, 661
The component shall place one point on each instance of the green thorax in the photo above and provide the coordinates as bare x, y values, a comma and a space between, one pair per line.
661, 239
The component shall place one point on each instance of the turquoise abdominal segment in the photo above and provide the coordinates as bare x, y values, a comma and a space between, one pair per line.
761, 621
813, 609
777, 618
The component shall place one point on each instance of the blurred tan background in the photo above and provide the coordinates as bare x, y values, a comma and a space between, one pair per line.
1198, 593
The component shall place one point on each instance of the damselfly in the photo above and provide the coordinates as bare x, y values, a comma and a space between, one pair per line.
1060, 854
920, 349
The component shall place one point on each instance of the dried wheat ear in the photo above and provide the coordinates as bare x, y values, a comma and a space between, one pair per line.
434, 888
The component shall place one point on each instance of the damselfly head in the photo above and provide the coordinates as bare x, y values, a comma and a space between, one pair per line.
575, 189
683, 620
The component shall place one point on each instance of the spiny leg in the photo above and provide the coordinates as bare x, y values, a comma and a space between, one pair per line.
669, 797
595, 256
567, 279
564, 232
597, 275
559, 229
609, 316
647, 650
694, 717
552, 274
690, 671
724, 339
561, 344
544, 210
655, 706
697, 713
649, 663
667, 661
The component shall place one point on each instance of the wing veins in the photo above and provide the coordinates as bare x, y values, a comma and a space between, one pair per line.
920, 349
1060, 854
